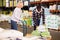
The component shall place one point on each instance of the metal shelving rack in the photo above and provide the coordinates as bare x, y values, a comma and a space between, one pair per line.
8, 9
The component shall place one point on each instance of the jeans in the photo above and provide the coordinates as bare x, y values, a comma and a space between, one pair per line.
13, 25
36, 23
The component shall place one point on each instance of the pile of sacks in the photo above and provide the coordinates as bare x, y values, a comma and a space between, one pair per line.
4, 17
8, 34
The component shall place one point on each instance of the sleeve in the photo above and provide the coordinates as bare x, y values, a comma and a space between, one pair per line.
43, 16
33, 15
16, 14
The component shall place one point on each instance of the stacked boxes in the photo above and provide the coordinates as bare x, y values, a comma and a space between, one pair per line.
52, 21
52, 7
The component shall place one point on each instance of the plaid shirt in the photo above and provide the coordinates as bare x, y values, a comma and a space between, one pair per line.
37, 15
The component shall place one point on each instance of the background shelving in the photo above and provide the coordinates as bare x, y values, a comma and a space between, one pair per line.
54, 11
12, 4
37, 2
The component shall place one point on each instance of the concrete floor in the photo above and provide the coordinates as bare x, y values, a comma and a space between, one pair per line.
55, 34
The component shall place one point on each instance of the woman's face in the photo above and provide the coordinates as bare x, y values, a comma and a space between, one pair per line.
20, 5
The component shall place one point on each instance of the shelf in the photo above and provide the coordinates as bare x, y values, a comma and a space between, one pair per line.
50, 1
25, 8
47, 1
7, 8
12, 8
54, 11
37, 2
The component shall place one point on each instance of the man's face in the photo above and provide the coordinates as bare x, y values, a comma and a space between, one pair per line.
39, 9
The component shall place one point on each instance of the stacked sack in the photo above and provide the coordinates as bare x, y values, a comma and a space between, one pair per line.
52, 21
9, 34
4, 17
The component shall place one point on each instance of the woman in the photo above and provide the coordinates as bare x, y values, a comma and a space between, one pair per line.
16, 15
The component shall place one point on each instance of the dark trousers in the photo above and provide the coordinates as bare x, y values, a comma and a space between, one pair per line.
13, 25
36, 23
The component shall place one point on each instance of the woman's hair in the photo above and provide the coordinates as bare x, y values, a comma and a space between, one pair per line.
19, 3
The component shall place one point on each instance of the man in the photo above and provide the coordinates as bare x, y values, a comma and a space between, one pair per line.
37, 13
16, 15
